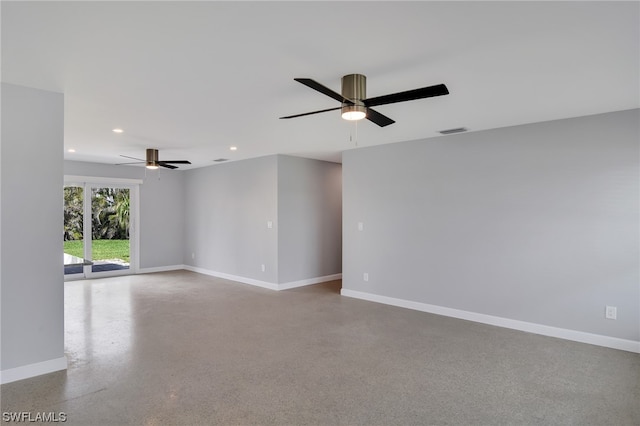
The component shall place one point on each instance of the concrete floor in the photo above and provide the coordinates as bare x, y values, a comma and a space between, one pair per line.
184, 348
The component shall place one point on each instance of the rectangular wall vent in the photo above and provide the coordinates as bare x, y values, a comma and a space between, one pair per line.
456, 130
220, 160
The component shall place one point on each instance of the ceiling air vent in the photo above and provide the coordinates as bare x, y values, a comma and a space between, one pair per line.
220, 160
451, 131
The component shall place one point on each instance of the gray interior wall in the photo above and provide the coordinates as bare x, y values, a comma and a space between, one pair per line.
537, 223
161, 209
227, 207
309, 218
32, 292
162, 219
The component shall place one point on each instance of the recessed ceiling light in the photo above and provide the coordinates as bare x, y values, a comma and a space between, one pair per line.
233, 148
118, 131
71, 150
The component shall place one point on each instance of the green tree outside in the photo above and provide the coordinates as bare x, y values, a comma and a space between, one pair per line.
110, 219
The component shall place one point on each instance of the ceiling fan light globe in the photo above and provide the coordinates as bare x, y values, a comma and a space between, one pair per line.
152, 167
353, 115
354, 112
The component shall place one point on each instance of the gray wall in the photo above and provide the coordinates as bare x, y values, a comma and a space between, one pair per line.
227, 207
31, 274
161, 209
537, 223
309, 218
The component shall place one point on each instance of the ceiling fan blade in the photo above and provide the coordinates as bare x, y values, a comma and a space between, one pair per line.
409, 95
380, 119
168, 166
133, 158
310, 113
322, 89
124, 164
176, 161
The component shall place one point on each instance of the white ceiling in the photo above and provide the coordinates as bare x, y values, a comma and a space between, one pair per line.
193, 78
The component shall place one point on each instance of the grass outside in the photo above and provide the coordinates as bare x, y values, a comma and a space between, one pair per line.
102, 249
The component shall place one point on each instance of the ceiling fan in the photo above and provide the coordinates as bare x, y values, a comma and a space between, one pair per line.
153, 163
356, 106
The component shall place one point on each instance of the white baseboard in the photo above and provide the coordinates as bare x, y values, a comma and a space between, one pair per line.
244, 280
263, 284
309, 281
545, 330
161, 269
32, 370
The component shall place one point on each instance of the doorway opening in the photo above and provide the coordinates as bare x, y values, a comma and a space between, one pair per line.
99, 234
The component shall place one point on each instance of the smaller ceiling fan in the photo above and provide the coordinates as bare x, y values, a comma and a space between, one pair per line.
356, 106
152, 162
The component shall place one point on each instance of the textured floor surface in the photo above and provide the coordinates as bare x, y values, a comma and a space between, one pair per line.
184, 348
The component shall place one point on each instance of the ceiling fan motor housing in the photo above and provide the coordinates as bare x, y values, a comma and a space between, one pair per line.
354, 88
152, 157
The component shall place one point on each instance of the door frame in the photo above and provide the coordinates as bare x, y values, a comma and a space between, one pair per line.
89, 182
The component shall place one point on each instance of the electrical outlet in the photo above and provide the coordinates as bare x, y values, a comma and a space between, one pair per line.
611, 312
264, 268
269, 224
193, 255
365, 276
360, 226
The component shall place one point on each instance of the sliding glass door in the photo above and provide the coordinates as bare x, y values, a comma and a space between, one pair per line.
74, 230
110, 213
99, 231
